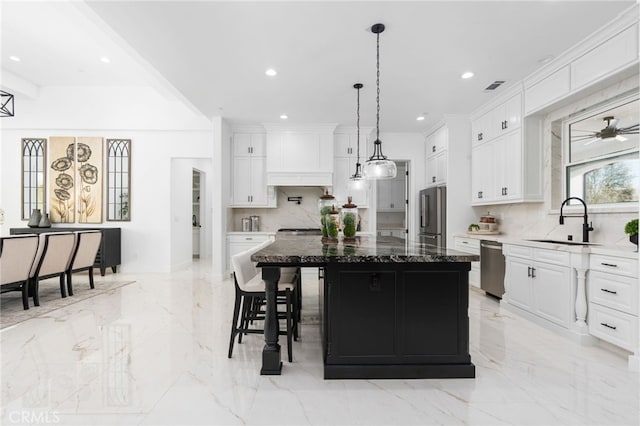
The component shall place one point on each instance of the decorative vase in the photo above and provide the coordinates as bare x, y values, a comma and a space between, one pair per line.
34, 220
634, 239
349, 220
324, 205
45, 222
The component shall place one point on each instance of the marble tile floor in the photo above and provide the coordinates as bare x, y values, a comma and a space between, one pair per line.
155, 353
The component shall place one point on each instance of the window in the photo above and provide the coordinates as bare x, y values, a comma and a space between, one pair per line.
118, 190
33, 175
602, 166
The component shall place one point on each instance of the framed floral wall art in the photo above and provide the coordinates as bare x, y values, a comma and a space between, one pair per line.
75, 179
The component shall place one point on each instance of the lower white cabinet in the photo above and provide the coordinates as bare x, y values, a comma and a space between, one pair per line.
241, 241
613, 300
540, 281
470, 245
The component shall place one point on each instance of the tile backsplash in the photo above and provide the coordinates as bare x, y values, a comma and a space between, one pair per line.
288, 214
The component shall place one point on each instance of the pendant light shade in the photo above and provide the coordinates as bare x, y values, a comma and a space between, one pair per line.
357, 181
378, 166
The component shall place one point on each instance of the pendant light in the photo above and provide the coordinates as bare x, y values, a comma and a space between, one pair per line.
357, 181
378, 166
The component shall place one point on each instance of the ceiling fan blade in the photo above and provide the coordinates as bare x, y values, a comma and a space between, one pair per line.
592, 141
581, 130
583, 137
629, 130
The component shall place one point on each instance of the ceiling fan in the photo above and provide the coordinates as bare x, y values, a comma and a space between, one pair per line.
609, 132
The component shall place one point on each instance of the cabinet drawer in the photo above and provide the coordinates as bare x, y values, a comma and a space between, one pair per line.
469, 245
614, 265
552, 256
518, 251
613, 326
614, 291
247, 238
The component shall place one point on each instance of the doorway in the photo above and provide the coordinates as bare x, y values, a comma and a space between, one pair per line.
392, 203
196, 213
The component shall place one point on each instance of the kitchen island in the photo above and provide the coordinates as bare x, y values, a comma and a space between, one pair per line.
390, 308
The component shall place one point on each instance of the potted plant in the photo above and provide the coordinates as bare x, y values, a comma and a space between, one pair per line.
631, 228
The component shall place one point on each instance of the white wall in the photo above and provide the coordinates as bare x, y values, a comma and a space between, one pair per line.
160, 130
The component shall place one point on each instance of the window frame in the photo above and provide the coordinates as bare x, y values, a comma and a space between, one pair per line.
566, 150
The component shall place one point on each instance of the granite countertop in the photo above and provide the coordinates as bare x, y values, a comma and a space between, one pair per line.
366, 249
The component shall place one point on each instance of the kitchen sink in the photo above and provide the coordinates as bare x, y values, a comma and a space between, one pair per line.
565, 242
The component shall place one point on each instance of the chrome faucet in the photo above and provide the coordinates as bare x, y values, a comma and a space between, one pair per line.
586, 227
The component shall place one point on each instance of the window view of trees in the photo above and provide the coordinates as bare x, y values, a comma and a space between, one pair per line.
612, 183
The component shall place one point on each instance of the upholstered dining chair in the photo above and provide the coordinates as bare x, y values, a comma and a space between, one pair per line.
17, 255
52, 260
84, 256
249, 298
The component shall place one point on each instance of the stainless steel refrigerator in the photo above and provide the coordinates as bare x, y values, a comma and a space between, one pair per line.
433, 216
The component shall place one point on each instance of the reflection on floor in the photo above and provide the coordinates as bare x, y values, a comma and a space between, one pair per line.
154, 352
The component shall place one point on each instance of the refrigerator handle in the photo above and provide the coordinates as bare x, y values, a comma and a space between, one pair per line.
422, 209
427, 210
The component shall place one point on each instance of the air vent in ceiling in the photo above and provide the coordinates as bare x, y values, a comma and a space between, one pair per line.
494, 85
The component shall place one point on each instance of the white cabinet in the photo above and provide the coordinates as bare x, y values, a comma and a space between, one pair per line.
345, 149
548, 90
245, 144
613, 300
482, 173
470, 245
506, 159
399, 233
609, 57
540, 282
239, 242
249, 188
391, 194
437, 157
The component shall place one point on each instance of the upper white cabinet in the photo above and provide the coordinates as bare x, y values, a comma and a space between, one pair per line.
548, 90
249, 144
607, 58
437, 157
506, 158
249, 185
300, 155
346, 150
609, 54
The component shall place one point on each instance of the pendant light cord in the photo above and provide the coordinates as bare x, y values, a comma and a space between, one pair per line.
358, 140
378, 87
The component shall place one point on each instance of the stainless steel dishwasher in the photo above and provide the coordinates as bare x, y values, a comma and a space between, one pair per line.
492, 268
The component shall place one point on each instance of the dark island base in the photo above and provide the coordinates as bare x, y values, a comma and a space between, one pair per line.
433, 371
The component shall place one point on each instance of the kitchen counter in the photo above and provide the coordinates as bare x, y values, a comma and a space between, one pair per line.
310, 250
389, 308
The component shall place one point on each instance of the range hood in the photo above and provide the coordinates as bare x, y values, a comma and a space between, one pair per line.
297, 178
299, 155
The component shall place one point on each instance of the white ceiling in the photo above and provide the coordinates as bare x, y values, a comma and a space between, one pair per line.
215, 53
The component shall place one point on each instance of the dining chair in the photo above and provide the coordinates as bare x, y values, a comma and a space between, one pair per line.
52, 259
17, 255
249, 300
84, 256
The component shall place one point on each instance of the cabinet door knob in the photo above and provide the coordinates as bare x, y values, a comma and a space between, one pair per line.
433, 179
533, 272
433, 148
480, 136
529, 271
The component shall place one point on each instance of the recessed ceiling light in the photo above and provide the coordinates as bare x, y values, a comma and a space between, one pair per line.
105, 60
271, 72
284, 116
467, 74
420, 118
14, 58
